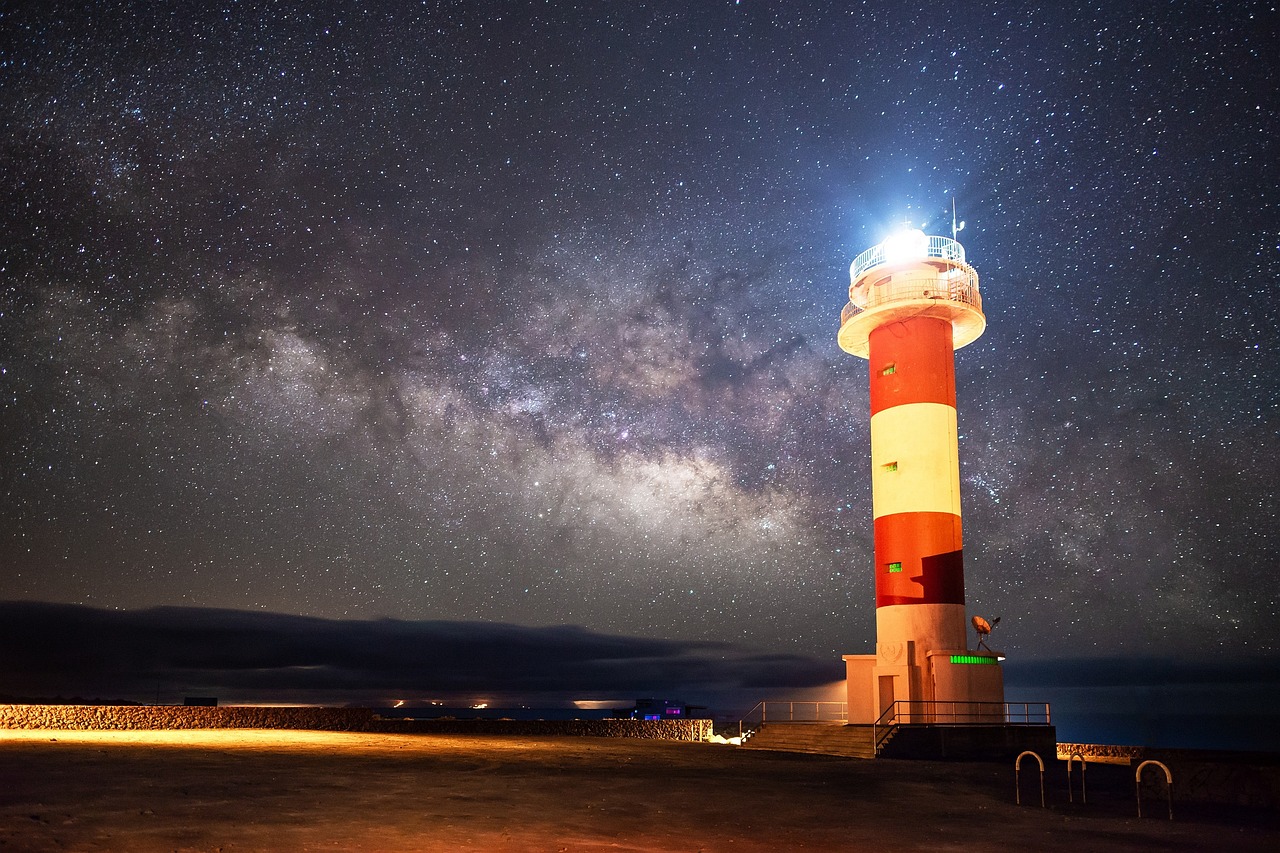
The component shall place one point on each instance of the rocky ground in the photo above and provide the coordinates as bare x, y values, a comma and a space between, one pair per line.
301, 791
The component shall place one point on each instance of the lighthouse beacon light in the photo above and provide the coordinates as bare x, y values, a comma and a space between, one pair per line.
906, 245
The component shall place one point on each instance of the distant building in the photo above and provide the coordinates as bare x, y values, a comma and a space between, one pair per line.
667, 709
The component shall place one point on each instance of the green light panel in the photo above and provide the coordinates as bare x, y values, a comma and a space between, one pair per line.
974, 659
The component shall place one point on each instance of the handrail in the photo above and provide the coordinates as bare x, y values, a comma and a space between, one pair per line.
785, 711
1027, 713
938, 247
794, 711
877, 739
747, 716
915, 288
958, 712
901, 712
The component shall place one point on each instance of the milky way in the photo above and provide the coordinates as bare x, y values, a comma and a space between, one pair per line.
527, 312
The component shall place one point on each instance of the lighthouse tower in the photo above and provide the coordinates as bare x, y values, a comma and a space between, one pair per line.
913, 301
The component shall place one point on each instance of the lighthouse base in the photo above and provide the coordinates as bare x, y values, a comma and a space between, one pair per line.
977, 742
944, 686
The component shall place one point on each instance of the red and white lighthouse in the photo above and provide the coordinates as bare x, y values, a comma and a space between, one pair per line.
913, 301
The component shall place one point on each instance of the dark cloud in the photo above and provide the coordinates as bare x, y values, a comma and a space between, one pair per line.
71, 650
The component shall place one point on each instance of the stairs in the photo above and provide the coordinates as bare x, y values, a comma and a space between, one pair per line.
851, 741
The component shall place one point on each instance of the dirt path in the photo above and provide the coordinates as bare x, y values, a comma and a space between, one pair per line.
302, 791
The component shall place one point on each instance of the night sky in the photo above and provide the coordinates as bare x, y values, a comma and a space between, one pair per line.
526, 313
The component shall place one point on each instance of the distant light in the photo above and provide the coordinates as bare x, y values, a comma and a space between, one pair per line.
909, 245
598, 705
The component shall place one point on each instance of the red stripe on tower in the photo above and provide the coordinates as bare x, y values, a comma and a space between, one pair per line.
912, 361
924, 549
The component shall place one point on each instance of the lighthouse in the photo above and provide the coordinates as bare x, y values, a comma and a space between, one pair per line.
913, 301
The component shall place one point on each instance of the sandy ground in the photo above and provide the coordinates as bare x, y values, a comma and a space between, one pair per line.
302, 791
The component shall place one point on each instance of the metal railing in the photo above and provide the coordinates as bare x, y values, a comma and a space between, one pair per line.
959, 286
938, 247
1027, 713
882, 729
786, 711
899, 713
944, 713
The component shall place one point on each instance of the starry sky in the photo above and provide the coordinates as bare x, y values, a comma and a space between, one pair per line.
524, 314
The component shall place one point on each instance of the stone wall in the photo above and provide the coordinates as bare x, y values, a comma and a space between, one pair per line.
695, 730
126, 717
123, 717
1201, 776
1104, 752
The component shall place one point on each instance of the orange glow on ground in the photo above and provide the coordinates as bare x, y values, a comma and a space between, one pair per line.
266, 790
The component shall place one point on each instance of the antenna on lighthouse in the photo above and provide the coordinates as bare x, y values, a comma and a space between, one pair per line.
955, 229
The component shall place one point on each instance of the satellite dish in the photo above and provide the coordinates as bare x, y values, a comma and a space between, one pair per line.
983, 627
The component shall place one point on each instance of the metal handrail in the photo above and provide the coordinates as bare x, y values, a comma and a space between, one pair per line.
794, 711
918, 288
947, 712
882, 723
938, 247
750, 715
1042, 717
903, 712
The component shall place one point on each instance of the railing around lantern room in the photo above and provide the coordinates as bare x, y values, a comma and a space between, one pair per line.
959, 284
938, 247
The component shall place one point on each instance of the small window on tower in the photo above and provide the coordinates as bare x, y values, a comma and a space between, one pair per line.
889, 370
889, 466
894, 568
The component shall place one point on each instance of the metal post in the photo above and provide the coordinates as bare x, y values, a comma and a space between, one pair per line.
1084, 797
1168, 779
1017, 776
